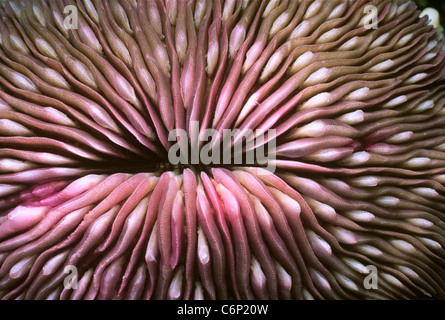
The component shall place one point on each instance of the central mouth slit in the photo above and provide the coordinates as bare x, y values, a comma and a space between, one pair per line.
152, 166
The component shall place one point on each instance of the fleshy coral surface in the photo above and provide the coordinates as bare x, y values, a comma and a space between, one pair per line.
91, 207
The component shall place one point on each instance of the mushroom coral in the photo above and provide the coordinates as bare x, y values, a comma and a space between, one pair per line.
93, 94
